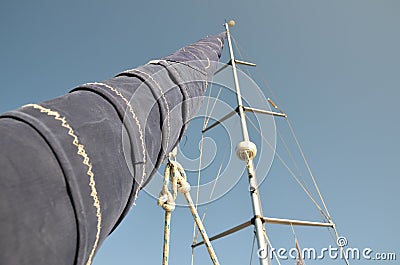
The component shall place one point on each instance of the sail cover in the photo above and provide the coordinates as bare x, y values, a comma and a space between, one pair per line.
72, 167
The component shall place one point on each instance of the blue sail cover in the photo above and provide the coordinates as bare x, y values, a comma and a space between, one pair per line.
72, 167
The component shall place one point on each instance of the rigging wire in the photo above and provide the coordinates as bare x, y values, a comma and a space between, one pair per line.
208, 103
300, 260
324, 217
335, 240
341, 247
270, 245
252, 247
207, 118
211, 194
200, 165
212, 109
290, 171
198, 190
196, 235
200, 160
263, 80
308, 167
292, 159
246, 70
327, 215
303, 184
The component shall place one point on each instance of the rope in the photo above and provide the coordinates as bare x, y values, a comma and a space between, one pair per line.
167, 201
184, 187
175, 177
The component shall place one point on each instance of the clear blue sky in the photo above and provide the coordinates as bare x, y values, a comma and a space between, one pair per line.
334, 66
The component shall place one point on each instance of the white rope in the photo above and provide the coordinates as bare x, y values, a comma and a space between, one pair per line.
166, 200
184, 187
175, 181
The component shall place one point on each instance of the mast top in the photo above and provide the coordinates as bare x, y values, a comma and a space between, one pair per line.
231, 23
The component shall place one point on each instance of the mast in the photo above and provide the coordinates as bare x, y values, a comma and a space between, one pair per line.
246, 151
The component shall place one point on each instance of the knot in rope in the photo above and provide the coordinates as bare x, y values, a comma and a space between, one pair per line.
166, 199
174, 176
179, 180
175, 181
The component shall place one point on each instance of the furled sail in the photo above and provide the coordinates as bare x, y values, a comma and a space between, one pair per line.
72, 167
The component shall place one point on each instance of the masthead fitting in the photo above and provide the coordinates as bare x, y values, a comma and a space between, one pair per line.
231, 23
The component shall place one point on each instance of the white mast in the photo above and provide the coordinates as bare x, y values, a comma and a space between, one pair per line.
247, 150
